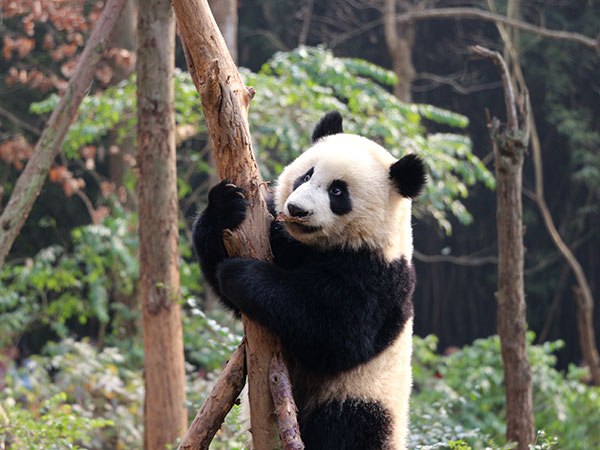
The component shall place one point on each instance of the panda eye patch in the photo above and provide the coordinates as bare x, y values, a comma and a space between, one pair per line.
339, 197
303, 178
335, 190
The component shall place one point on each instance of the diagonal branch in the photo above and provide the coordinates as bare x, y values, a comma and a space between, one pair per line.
32, 178
219, 402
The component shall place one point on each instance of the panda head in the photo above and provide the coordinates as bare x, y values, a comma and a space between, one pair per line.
346, 191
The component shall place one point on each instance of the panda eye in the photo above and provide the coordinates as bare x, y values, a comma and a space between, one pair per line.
335, 191
306, 177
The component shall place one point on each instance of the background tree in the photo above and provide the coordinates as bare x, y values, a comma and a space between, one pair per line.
510, 144
165, 417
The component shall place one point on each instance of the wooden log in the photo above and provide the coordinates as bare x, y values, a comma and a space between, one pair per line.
221, 399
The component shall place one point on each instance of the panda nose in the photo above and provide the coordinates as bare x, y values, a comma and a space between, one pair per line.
296, 211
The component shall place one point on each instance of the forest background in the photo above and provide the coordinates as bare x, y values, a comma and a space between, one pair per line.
70, 331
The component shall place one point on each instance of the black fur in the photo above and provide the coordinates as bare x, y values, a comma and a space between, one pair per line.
337, 310
226, 209
352, 425
330, 123
302, 178
409, 175
339, 198
326, 315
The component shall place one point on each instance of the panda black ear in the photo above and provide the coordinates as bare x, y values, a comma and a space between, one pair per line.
330, 123
409, 175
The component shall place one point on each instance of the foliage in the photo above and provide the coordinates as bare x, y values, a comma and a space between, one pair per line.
76, 395
58, 286
461, 396
56, 426
73, 395
293, 90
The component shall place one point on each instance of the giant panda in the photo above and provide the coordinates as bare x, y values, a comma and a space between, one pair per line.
339, 290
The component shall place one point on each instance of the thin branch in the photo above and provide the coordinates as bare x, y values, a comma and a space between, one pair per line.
306, 23
221, 399
20, 123
457, 87
463, 260
509, 93
475, 14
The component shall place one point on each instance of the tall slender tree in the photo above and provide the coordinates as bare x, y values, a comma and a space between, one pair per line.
510, 144
165, 416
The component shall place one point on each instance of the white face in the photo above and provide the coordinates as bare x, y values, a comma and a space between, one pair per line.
342, 190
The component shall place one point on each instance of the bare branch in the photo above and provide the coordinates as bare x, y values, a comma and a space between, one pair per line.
221, 399
457, 87
509, 94
19, 123
475, 14
306, 22
463, 260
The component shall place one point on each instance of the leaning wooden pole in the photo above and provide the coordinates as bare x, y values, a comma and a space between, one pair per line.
225, 100
510, 144
32, 179
221, 399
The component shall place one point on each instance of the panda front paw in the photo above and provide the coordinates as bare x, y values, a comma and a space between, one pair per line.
226, 205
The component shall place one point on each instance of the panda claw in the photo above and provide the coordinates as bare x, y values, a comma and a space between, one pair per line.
230, 185
240, 194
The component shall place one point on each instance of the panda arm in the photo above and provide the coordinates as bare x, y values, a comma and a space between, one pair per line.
226, 209
330, 316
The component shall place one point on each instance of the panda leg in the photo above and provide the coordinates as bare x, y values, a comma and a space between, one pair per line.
352, 425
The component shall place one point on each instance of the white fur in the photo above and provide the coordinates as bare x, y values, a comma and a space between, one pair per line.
380, 216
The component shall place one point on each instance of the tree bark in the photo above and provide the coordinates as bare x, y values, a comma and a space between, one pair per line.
285, 407
400, 44
30, 182
219, 402
165, 416
585, 299
509, 146
225, 100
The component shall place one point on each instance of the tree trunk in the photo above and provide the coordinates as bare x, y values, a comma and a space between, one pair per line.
585, 299
509, 146
165, 416
124, 37
225, 101
399, 43
30, 182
